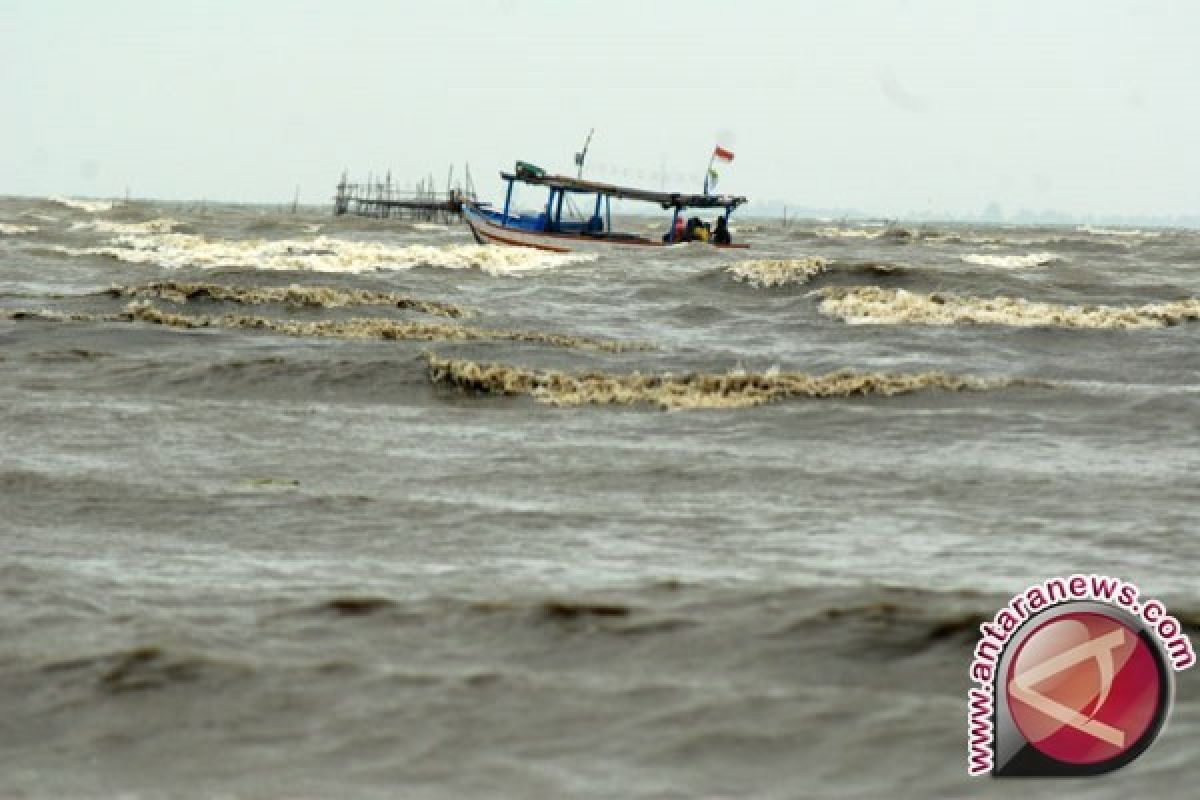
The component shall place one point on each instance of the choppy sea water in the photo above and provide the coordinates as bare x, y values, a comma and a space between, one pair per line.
295, 506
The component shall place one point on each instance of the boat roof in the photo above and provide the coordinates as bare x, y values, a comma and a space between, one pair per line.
664, 199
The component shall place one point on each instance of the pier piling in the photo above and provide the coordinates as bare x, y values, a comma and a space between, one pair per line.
384, 199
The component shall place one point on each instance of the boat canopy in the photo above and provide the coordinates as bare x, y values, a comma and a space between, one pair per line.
527, 173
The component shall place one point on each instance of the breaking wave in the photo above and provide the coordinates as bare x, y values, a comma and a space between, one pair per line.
766, 273
39, 217
160, 225
893, 233
695, 390
322, 254
770, 273
90, 206
1131, 232
7, 229
872, 305
294, 295
1012, 262
361, 328
1034, 241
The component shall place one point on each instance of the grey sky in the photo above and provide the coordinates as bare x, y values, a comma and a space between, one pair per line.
885, 106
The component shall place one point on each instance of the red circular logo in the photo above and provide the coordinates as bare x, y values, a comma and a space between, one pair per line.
1084, 688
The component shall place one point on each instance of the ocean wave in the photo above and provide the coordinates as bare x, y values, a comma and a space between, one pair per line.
1093, 244
895, 233
358, 328
90, 206
294, 295
1012, 262
875, 268
873, 305
146, 668
160, 225
374, 328
39, 217
771, 273
1131, 232
900, 620
1056, 241
269, 225
68, 356
49, 315
767, 273
847, 233
356, 605
381, 376
695, 390
7, 229
322, 254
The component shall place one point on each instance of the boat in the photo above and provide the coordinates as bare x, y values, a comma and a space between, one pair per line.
548, 230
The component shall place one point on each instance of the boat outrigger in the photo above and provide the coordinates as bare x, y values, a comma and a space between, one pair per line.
547, 230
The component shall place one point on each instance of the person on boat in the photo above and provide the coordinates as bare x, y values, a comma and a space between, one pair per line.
721, 234
676, 233
702, 232
692, 232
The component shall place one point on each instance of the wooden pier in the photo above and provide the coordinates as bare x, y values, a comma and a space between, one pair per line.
385, 199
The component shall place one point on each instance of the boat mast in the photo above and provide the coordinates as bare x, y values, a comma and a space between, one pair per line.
581, 156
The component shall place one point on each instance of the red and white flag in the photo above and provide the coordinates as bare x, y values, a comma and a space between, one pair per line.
721, 154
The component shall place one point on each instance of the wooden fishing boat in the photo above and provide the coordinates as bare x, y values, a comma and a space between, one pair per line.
591, 231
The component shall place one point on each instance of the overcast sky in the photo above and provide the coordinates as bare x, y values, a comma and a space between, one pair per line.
886, 106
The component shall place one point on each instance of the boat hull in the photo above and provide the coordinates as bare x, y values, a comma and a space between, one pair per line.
486, 231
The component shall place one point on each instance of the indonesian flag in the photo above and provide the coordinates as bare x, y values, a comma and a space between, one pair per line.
722, 154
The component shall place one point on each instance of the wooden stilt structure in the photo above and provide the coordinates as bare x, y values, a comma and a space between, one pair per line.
385, 199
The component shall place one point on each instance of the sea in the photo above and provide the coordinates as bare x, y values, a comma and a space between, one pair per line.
304, 506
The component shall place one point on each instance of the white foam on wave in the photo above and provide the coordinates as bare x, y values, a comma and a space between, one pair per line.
1132, 232
871, 305
848, 233
1012, 262
693, 390
767, 273
429, 226
870, 231
90, 206
160, 225
321, 254
7, 229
